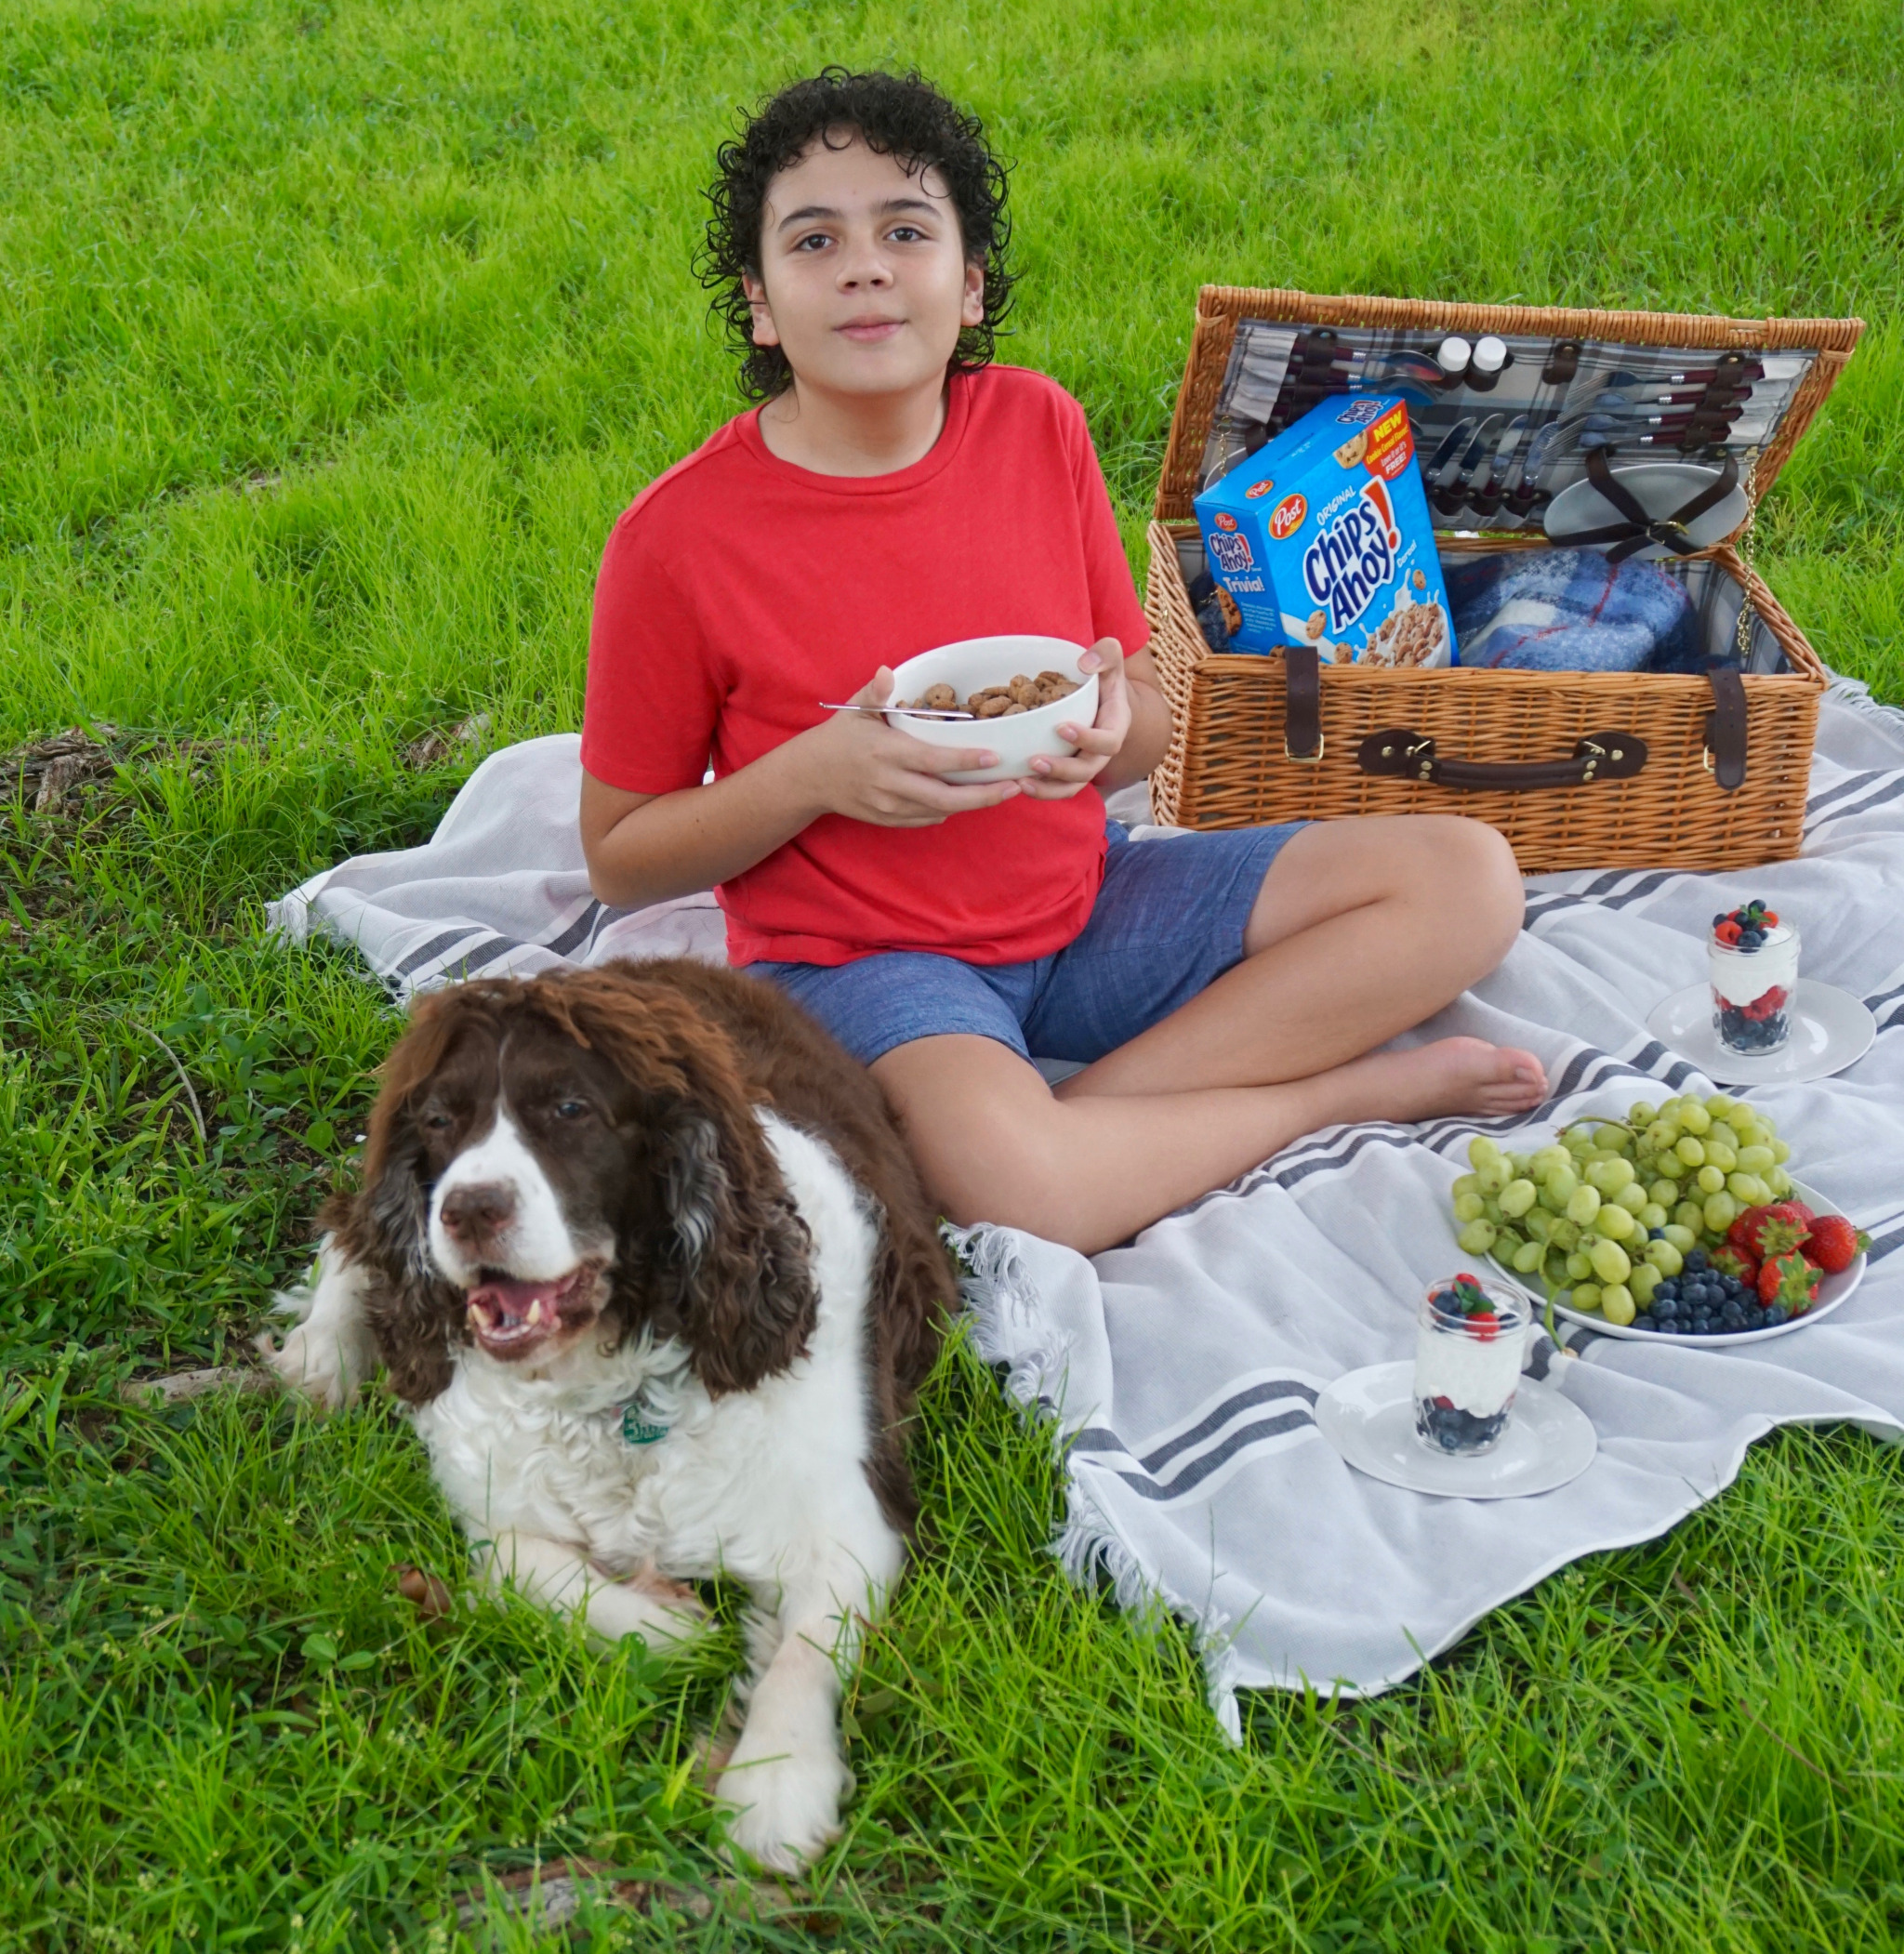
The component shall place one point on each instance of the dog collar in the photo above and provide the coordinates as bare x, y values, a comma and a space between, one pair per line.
638, 1426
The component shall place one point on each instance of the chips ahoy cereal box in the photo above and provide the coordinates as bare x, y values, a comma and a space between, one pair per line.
1323, 537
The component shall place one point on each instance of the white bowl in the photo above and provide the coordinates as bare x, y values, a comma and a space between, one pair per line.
974, 663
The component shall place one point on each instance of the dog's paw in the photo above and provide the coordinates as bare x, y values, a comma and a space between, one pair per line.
787, 1809
317, 1367
674, 1615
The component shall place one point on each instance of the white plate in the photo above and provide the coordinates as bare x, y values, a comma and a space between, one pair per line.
1833, 1290
1369, 1417
1658, 487
1830, 1029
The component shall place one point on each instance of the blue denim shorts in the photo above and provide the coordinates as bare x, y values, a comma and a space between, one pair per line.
1168, 920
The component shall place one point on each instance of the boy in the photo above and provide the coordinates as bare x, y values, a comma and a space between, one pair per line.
896, 490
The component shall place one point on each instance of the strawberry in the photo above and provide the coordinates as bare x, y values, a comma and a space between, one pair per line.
1770, 919
1788, 1279
1486, 1325
1836, 1242
1771, 1229
1731, 1261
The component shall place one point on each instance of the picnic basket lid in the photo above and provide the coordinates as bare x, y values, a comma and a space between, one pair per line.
1576, 381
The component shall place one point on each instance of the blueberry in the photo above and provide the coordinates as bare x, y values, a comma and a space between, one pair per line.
1774, 1315
1695, 1261
1720, 917
1644, 1323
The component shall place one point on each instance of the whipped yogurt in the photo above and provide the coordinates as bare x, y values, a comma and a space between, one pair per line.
1467, 1371
1752, 990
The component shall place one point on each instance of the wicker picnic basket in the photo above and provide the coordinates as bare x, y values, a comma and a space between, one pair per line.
1577, 770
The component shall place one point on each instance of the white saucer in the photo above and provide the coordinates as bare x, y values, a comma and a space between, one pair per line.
1832, 1290
1369, 1417
1830, 1029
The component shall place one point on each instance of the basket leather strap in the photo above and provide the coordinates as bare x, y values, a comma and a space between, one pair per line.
1638, 529
1302, 701
1400, 751
1725, 728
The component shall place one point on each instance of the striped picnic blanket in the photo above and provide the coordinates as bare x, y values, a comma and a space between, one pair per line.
1178, 1372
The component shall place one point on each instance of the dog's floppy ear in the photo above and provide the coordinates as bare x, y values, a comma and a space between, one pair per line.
742, 1254
411, 1312
732, 1265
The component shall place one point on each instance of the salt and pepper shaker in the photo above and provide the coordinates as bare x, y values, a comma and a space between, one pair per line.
1453, 356
1490, 360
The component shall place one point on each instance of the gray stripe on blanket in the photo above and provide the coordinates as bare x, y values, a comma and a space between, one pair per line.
483, 955
1887, 792
1884, 1245
433, 949
1542, 905
1194, 1476
1855, 784
1098, 1438
579, 932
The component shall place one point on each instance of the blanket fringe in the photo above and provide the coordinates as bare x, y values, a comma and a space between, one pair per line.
1001, 1305
1856, 693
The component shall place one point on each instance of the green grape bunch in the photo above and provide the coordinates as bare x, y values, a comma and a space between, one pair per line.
1612, 1207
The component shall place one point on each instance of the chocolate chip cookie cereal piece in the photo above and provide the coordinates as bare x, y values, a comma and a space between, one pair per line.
1019, 693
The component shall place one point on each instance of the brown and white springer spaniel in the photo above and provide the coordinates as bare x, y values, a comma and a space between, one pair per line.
642, 1248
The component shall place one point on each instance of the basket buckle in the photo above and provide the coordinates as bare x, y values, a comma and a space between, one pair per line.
1306, 759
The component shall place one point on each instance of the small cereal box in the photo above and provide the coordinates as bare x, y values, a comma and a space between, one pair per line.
1323, 537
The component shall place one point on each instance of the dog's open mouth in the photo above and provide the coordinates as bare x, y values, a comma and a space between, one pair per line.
509, 1315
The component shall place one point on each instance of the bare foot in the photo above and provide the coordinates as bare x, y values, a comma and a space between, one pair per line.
1450, 1076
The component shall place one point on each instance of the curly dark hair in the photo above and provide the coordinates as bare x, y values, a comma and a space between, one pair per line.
898, 115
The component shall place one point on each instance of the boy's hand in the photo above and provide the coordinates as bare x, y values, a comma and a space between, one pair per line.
869, 770
1098, 743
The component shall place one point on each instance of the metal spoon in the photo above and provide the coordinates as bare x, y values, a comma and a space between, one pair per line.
918, 712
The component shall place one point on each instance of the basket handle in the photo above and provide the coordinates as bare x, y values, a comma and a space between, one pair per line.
1600, 756
1593, 758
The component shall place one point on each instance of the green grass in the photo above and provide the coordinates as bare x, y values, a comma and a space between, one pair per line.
333, 335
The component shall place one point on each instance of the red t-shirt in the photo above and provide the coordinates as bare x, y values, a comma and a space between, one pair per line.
737, 591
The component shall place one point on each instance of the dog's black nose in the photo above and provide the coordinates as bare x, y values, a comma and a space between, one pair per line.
473, 1212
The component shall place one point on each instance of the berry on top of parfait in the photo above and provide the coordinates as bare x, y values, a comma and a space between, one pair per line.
1746, 929
1465, 1300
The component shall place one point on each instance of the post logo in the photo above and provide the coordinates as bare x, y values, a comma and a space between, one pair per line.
1257, 490
1352, 558
1285, 517
1224, 519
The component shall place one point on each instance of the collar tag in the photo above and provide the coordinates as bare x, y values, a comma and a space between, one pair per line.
637, 1430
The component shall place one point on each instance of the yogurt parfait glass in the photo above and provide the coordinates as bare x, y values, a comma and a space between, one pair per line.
1468, 1342
1752, 961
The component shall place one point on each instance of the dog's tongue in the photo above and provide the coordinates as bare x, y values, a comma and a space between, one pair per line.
505, 1304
